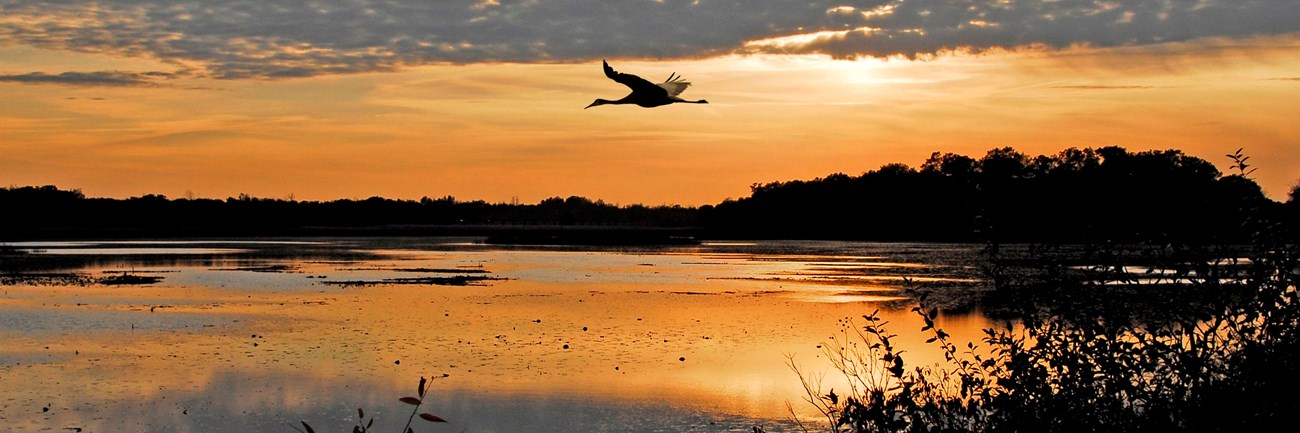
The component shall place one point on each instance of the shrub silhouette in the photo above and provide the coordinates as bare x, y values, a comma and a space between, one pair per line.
1071, 364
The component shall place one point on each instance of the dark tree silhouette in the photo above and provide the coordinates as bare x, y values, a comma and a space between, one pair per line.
47, 212
1106, 194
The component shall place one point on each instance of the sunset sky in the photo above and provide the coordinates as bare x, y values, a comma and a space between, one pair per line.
483, 100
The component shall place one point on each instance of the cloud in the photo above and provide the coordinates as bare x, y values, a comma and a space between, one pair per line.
922, 28
294, 38
98, 78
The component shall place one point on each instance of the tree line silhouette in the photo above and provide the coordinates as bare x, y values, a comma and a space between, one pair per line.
1106, 193
49, 212
1103, 194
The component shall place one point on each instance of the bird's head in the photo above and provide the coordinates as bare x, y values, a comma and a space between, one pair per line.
598, 102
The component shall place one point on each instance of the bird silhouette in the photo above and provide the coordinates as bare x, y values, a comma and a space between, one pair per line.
645, 93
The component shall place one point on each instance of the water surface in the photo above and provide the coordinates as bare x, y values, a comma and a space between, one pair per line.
256, 336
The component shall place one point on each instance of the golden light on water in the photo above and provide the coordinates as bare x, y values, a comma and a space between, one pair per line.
710, 332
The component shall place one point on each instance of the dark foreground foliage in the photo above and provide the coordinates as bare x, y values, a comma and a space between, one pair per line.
364, 425
1070, 364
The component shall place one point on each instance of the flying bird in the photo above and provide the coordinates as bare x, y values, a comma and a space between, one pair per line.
645, 93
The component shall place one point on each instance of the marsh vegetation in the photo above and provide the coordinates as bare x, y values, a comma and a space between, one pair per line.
1154, 336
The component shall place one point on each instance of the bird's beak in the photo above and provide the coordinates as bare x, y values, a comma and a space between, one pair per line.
593, 104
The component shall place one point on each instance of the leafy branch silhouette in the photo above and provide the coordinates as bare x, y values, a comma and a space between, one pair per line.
363, 426
1239, 162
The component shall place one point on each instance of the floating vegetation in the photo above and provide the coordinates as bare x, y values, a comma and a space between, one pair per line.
46, 279
266, 268
421, 270
593, 236
456, 280
76, 279
128, 279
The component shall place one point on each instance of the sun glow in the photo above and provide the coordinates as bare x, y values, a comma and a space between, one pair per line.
507, 131
804, 38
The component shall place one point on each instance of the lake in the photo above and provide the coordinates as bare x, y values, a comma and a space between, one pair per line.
236, 335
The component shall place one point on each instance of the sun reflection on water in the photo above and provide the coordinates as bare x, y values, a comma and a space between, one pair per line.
604, 340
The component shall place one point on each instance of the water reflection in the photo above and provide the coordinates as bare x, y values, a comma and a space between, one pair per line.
691, 338
271, 401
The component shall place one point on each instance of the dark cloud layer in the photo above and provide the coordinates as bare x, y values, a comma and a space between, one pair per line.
918, 28
294, 38
98, 78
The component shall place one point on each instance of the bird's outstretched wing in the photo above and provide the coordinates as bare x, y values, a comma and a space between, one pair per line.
637, 84
674, 84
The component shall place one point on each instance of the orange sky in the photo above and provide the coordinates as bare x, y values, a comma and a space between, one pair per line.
497, 131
